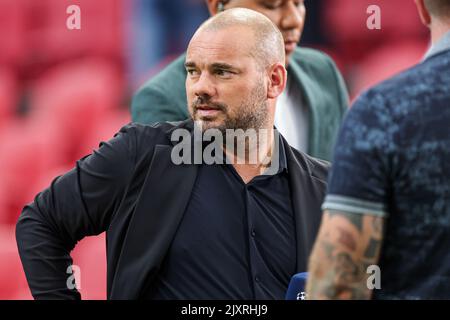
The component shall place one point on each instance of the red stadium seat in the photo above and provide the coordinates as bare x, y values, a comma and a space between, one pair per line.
90, 256
13, 283
73, 100
23, 158
104, 131
100, 33
21, 294
70, 105
348, 20
76, 86
345, 23
8, 96
386, 62
12, 32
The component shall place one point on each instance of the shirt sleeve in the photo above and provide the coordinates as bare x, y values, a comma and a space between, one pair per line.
359, 179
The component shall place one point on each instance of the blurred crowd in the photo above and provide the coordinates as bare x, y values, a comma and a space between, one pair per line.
63, 91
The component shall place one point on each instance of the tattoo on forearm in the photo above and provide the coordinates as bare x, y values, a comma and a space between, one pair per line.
347, 239
347, 268
372, 248
377, 225
346, 246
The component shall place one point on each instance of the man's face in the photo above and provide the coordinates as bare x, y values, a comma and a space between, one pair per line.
287, 15
224, 85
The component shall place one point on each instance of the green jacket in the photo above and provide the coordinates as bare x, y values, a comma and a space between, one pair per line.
163, 98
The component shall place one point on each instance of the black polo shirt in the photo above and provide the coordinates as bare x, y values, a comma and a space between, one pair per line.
235, 241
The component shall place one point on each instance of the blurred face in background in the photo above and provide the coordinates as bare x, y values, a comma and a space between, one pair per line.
287, 15
225, 85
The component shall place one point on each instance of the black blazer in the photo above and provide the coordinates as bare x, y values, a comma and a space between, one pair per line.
130, 188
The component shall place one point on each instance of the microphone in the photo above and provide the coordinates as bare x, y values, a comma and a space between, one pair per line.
296, 289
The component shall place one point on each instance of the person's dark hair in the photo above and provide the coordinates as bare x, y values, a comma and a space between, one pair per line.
221, 4
438, 8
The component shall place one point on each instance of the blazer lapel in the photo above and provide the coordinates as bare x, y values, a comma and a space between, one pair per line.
307, 194
159, 210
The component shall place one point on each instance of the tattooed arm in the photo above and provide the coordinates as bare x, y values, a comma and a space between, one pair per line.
346, 245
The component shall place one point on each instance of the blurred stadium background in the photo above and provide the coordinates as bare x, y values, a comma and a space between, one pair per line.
62, 91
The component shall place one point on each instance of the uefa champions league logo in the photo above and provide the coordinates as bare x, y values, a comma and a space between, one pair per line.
302, 296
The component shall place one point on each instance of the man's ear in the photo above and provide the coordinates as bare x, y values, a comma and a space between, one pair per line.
277, 80
213, 6
425, 16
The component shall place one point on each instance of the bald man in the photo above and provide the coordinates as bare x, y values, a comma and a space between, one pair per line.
237, 227
311, 107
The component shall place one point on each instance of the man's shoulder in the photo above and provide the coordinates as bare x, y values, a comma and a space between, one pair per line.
163, 127
308, 58
318, 71
428, 74
159, 132
406, 89
314, 167
169, 79
163, 97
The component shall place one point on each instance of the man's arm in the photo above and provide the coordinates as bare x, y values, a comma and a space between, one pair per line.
356, 206
346, 245
78, 204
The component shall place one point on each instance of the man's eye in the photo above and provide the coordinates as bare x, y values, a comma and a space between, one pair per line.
192, 72
223, 72
270, 6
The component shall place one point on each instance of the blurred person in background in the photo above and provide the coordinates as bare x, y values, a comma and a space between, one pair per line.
158, 30
388, 201
309, 111
189, 231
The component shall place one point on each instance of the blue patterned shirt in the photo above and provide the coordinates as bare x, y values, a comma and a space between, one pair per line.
392, 159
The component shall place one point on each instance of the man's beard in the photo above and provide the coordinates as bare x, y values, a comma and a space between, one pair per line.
251, 114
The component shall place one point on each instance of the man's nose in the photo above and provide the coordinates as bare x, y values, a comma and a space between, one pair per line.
293, 16
204, 86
